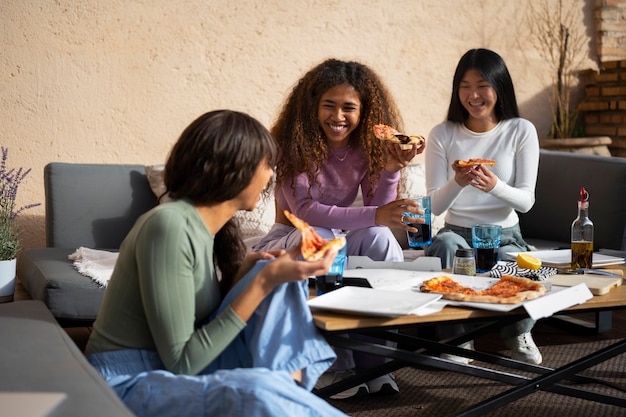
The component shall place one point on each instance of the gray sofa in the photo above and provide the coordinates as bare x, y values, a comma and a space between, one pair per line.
561, 174
90, 205
39, 357
95, 206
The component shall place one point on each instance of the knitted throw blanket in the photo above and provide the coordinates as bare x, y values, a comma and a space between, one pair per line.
95, 264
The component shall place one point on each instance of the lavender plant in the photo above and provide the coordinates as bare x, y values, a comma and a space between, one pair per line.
10, 180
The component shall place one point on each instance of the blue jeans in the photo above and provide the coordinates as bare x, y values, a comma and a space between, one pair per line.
252, 377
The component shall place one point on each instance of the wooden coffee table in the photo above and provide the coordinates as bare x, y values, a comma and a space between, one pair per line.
412, 350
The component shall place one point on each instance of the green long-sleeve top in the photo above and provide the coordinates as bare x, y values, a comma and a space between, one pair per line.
162, 291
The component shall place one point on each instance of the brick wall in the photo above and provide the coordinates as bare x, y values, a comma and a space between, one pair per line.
610, 17
604, 109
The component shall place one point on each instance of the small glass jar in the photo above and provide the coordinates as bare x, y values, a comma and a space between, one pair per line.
464, 262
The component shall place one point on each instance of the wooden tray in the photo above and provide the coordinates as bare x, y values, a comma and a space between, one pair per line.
598, 284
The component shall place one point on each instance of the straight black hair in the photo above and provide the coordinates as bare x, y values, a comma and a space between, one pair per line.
492, 68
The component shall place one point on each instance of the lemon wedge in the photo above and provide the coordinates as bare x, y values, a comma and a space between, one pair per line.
527, 261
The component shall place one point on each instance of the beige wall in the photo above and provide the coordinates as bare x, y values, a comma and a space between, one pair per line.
117, 81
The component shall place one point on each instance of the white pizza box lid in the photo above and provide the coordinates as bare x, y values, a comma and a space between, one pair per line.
423, 263
559, 298
405, 280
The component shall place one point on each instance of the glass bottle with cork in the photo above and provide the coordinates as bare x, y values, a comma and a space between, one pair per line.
582, 234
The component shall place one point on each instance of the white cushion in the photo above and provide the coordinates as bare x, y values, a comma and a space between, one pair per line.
254, 224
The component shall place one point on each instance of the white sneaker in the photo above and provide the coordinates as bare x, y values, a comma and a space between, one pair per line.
385, 384
523, 348
332, 377
460, 359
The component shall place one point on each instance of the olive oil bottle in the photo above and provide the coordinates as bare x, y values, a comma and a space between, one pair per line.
582, 234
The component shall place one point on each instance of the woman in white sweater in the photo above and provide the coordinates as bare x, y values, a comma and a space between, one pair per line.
483, 122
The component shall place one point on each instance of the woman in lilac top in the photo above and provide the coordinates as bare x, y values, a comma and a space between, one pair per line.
327, 153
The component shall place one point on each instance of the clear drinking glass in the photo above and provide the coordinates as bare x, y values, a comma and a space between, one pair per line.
334, 278
486, 242
423, 236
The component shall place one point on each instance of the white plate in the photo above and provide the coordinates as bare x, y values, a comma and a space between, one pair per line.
373, 302
562, 258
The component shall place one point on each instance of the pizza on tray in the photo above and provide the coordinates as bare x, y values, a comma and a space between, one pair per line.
473, 162
313, 246
384, 132
508, 290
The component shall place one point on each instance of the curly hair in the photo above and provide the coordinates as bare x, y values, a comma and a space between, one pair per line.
301, 141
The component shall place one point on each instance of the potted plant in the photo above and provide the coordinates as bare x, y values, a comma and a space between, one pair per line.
10, 180
557, 30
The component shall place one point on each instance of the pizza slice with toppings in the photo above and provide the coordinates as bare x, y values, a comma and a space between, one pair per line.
451, 289
508, 290
473, 162
388, 133
313, 246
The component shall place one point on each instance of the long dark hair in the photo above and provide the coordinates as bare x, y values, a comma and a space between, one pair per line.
214, 159
493, 69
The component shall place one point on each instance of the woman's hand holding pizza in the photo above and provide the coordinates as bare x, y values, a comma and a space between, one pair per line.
482, 178
288, 267
393, 214
401, 148
398, 158
477, 176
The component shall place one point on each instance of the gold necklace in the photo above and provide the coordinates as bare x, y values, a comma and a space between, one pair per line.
344, 155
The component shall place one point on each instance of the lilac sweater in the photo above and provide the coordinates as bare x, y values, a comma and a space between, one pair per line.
329, 203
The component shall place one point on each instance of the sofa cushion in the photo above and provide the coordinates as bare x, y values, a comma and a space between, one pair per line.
561, 174
38, 356
49, 276
93, 205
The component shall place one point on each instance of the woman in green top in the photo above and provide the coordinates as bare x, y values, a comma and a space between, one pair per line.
189, 324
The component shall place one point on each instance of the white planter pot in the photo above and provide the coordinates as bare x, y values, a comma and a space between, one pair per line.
7, 280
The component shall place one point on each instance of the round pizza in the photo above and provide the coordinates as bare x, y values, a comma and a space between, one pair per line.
388, 133
473, 162
508, 290
313, 246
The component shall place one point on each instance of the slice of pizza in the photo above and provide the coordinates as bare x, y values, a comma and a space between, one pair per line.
447, 286
473, 162
313, 246
513, 290
384, 132
508, 290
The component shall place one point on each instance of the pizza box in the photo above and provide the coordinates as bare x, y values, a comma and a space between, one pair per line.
557, 298
561, 258
423, 263
597, 284
376, 302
